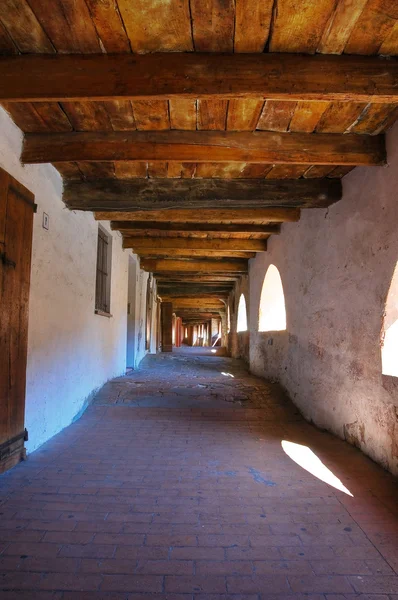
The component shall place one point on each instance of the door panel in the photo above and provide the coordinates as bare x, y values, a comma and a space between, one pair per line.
16, 222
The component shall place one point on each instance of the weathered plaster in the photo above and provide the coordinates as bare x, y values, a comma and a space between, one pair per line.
336, 267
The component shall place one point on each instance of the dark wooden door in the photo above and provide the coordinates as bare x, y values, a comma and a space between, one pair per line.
16, 222
167, 326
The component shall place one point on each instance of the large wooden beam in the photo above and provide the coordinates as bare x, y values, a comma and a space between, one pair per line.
266, 147
200, 302
260, 216
130, 228
193, 291
158, 194
194, 266
197, 315
187, 278
193, 75
156, 244
181, 253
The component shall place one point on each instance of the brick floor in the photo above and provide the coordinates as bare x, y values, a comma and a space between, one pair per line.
174, 485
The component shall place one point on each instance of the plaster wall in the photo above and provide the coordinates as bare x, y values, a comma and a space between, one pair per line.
71, 350
336, 267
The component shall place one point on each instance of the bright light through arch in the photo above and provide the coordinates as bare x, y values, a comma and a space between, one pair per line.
272, 310
389, 349
308, 460
242, 314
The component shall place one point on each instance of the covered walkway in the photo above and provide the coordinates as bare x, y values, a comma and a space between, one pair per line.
193, 479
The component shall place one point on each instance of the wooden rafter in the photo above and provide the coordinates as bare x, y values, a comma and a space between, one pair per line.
155, 244
203, 146
197, 278
130, 228
194, 75
181, 253
259, 216
144, 194
195, 266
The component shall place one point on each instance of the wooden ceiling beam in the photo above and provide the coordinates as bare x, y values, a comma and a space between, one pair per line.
197, 317
194, 266
181, 253
263, 147
187, 244
53, 78
200, 302
159, 228
144, 194
196, 290
187, 278
259, 216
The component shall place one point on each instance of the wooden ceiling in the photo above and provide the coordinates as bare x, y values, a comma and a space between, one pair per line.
198, 127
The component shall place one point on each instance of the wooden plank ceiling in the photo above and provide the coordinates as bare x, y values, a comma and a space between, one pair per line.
117, 157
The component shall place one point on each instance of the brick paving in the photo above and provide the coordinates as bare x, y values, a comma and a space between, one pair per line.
175, 485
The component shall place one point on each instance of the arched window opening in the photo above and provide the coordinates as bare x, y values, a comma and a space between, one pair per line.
272, 310
389, 348
228, 319
148, 326
242, 314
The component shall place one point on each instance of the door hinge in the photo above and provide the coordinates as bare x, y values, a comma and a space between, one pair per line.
7, 261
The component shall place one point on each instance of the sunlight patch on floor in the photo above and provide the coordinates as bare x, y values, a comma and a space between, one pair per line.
305, 458
227, 374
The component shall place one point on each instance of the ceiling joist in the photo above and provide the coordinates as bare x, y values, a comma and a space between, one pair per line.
260, 216
45, 78
261, 147
156, 244
181, 253
195, 266
196, 278
140, 229
147, 194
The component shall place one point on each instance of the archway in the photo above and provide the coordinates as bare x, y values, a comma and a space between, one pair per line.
242, 315
389, 348
272, 309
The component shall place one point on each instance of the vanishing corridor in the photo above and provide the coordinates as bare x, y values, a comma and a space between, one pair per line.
192, 478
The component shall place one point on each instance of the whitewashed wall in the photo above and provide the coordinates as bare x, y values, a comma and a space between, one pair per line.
71, 350
336, 267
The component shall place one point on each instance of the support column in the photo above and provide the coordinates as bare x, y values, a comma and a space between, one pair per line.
224, 330
167, 326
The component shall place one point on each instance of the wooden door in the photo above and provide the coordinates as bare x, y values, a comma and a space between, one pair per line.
16, 222
167, 326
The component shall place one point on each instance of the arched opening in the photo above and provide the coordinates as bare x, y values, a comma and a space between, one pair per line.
389, 348
272, 310
242, 314
228, 319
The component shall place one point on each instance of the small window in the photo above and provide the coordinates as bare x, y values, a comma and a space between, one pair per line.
103, 279
242, 315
